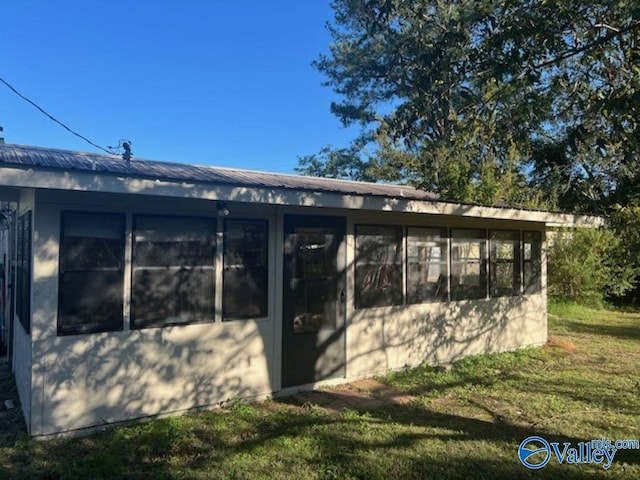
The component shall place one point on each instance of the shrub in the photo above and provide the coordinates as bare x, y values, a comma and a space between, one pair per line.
588, 265
625, 220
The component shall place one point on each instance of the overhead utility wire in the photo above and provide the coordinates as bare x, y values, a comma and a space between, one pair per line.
52, 117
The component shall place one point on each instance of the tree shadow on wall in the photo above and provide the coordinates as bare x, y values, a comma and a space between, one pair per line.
123, 372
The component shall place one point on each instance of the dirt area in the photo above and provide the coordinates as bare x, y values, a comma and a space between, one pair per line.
361, 395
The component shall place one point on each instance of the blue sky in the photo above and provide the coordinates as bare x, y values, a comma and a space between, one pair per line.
194, 81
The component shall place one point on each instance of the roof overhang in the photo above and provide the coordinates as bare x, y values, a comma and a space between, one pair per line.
86, 181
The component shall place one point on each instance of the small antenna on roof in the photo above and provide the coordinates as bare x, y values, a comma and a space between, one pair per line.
1, 137
126, 156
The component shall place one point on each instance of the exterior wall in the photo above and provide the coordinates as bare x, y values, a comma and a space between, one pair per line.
22, 363
89, 380
22, 347
392, 338
86, 380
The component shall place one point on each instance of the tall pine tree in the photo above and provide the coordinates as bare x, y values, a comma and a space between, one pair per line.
523, 102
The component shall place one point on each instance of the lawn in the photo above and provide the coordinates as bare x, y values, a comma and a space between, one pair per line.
464, 422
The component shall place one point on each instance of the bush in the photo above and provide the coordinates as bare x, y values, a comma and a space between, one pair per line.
625, 220
588, 265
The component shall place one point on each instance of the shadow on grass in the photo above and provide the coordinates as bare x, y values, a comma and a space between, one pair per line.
371, 438
390, 441
627, 332
366, 439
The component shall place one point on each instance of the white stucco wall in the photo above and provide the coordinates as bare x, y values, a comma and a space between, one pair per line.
86, 380
102, 378
22, 362
391, 338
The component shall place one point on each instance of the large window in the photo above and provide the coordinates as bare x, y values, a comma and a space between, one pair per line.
504, 271
23, 271
246, 274
427, 264
91, 273
468, 264
173, 271
531, 262
378, 266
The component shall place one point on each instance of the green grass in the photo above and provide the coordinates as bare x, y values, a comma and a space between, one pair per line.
462, 423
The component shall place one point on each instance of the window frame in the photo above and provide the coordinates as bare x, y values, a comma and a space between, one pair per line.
97, 326
494, 261
443, 232
24, 269
212, 266
398, 238
397, 295
482, 289
535, 261
223, 302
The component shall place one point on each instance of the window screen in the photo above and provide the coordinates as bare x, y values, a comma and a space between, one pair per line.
173, 271
246, 273
504, 270
427, 262
23, 271
91, 273
531, 262
378, 266
468, 264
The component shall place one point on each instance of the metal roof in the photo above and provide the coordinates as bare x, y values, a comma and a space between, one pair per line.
54, 159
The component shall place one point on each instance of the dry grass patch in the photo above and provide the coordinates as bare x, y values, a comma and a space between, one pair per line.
562, 343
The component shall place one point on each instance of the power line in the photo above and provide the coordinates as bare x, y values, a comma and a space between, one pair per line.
51, 117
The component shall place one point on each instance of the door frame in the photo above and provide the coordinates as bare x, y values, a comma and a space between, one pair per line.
339, 344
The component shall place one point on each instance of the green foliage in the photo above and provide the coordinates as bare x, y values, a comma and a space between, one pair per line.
588, 265
625, 221
513, 101
336, 163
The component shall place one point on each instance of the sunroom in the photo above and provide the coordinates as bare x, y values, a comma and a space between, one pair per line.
149, 288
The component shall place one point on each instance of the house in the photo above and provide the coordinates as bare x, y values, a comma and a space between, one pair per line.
140, 288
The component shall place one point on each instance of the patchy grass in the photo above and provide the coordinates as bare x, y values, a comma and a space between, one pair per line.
424, 423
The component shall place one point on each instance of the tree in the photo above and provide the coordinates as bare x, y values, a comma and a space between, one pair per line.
596, 101
522, 101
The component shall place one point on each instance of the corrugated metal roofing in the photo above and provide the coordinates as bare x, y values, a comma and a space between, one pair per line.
48, 158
